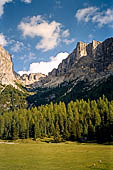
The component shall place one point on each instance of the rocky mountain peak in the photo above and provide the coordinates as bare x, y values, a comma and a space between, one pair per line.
85, 49
4, 53
31, 78
88, 61
81, 49
9, 77
6, 68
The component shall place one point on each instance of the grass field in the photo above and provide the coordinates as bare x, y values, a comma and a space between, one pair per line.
51, 156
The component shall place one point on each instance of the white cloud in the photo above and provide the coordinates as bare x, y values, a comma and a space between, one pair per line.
51, 33
16, 47
27, 1
2, 3
23, 72
3, 40
85, 14
94, 15
46, 67
66, 41
103, 18
65, 33
28, 57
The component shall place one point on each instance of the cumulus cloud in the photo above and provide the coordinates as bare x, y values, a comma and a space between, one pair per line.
27, 1
85, 14
95, 15
50, 33
3, 40
23, 72
46, 67
2, 3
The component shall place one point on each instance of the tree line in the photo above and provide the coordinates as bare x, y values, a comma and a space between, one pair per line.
78, 121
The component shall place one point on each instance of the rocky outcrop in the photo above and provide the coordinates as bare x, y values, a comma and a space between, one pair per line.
88, 61
9, 77
31, 78
6, 68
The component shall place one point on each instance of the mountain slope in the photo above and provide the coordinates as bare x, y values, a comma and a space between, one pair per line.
91, 61
73, 91
12, 99
7, 76
86, 73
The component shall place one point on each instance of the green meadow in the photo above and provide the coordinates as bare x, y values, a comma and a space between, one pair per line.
56, 156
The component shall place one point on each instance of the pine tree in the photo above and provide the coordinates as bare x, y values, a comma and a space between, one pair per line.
22, 126
1, 126
57, 137
15, 130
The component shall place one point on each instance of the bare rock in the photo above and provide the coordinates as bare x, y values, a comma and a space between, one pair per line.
88, 61
6, 68
31, 78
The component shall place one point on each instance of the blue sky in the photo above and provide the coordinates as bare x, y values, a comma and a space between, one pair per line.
40, 33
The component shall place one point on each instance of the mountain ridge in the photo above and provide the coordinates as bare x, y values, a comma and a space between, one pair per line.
86, 69
93, 60
95, 57
7, 76
82, 77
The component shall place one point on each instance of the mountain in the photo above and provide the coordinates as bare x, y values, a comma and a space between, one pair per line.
31, 78
83, 74
7, 75
12, 98
91, 61
13, 94
86, 73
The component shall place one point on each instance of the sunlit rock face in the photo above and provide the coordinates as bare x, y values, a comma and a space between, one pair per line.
31, 78
7, 76
88, 61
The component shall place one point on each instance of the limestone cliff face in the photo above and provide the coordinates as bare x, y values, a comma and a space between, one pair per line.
31, 78
6, 68
9, 77
88, 61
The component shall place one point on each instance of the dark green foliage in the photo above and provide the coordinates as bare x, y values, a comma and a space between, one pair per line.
12, 99
80, 120
81, 90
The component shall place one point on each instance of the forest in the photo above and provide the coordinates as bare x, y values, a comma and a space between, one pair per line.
81, 120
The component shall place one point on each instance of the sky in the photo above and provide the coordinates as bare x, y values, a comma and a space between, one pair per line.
39, 34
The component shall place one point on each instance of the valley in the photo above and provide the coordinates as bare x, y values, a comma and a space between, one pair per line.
74, 102
56, 85
63, 156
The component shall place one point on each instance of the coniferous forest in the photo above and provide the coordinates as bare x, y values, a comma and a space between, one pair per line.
77, 121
